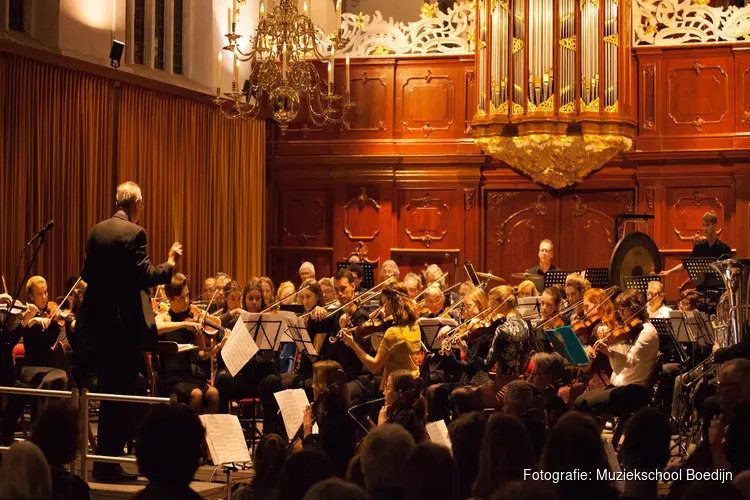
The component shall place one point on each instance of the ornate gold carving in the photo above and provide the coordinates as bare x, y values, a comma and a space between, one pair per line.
698, 124
468, 198
697, 199
592, 106
650, 191
579, 208
611, 108
745, 117
569, 43
517, 109
649, 124
548, 105
538, 208
499, 110
614, 39
427, 76
650, 69
361, 251
698, 67
497, 198
568, 108
428, 10
625, 199
557, 161
427, 130
517, 45
699, 121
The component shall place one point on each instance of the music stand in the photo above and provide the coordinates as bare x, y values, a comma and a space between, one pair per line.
702, 274
368, 280
530, 307
667, 338
431, 327
567, 344
265, 330
693, 327
640, 283
597, 276
300, 336
556, 277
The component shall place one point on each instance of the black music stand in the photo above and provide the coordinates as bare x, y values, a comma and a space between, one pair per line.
703, 276
693, 327
640, 283
431, 327
668, 340
368, 280
557, 277
300, 336
598, 277
530, 307
266, 331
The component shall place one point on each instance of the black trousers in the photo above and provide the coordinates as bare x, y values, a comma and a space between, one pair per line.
119, 373
255, 380
616, 400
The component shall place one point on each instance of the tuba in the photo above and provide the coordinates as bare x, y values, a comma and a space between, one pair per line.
733, 311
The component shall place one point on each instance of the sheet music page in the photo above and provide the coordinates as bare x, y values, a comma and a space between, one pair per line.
240, 348
438, 433
292, 403
275, 326
225, 439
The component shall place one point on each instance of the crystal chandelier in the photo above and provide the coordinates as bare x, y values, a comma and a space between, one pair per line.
284, 58
549, 100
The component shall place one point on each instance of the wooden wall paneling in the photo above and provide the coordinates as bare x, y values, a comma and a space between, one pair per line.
470, 101
429, 218
416, 260
430, 102
515, 222
742, 223
286, 261
372, 90
472, 242
305, 218
587, 221
742, 86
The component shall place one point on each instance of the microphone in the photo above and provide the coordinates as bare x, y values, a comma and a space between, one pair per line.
41, 233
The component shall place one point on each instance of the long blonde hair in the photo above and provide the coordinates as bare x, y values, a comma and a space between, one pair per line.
504, 293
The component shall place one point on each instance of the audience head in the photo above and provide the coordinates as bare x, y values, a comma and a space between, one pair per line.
354, 472
56, 433
302, 470
307, 271
335, 489
169, 444
25, 474
522, 400
506, 452
467, 434
431, 474
389, 269
527, 288
547, 369
383, 459
647, 441
268, 462
734, 383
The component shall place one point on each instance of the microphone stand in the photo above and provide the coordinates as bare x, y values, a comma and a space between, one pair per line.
4, 326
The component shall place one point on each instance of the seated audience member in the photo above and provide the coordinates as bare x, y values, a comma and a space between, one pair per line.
467, 434
646, 447
383, 459
354, 472
404, 404
24, 474
302, 470
335, 489
575, 445
506, 452
168, 451
56, 433
711, 490
337, 434
741, 481
524, 402
268, 462
525, 490
547, 373
431, 474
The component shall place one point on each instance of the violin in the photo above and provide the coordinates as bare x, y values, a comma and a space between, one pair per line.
584, 327
211, 324
555, 321
622, 333
378, 322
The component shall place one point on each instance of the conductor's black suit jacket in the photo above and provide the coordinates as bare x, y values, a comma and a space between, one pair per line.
116, 320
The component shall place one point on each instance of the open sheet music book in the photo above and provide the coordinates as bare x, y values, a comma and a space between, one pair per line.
239, 349
438, 433
431, 327
292, 404
225, 440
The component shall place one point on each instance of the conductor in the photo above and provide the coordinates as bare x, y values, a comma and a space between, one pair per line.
116, 322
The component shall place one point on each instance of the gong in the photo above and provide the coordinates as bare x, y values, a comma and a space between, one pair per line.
636, 254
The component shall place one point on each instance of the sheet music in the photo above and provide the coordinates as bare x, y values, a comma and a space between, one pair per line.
225, 440
438, 433
529, 307
292, 403
432, 326
240, 348
267, 335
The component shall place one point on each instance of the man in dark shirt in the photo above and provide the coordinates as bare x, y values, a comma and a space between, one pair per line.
708, 246
546, 253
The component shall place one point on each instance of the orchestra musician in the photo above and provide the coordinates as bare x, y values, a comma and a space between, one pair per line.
266, 286
234, 307
509, 349
575, 287
413, 284
688, 300
546, 254
402, 342
527, 288
550, 317
285, 296
327, 290
306, 272
259, 378
433, 302
116, 322
632, 362
359, 274
389, 269
184, 373
655, 296
708, 246
44, 365
465, 288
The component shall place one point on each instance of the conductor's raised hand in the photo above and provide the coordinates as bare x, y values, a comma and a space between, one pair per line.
175, 253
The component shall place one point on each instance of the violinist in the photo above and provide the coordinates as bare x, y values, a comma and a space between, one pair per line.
509, 350
413, 284
259, 378
285, 296
402, 342
527, 288
318, 326
598, 319
359, 381
465, 288
233, 298
632, 359
266, 285
549, 310
327, 290
184, 374
575, 287
433, 302
655, 295
43, 367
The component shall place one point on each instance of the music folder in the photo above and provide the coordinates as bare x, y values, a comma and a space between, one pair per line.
566, 343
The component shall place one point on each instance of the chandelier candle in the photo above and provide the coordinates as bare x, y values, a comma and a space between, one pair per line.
283, 62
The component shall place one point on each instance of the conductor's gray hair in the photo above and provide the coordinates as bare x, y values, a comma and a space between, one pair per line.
127, 193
